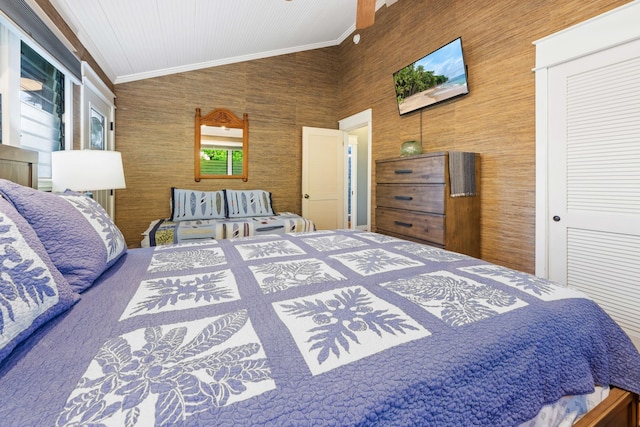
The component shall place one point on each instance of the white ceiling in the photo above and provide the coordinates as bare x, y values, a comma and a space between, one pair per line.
138, 39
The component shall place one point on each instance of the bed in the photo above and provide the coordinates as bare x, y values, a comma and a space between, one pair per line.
326, 328
198, 215
165, 231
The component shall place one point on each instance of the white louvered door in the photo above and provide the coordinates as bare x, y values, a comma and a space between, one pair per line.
594, 185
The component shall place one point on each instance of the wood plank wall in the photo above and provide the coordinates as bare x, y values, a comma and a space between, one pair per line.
154, 127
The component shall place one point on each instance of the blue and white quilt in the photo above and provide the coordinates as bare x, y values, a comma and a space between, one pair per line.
167, 232
332, 328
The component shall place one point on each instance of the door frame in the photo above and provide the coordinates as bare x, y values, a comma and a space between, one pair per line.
357, 121
93, 88
610, 29
92, 85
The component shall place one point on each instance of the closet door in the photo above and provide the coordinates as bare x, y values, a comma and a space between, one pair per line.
594, 179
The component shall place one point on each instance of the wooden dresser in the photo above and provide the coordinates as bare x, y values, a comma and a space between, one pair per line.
414, 202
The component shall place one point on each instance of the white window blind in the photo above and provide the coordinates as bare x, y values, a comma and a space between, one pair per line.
42, 96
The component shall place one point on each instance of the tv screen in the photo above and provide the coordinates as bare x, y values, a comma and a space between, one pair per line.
437, 77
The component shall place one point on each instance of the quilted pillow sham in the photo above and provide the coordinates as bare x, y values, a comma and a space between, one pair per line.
248, 203
77, 233
32, 290
196, 204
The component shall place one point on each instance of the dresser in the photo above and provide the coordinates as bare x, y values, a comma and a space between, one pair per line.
414, 201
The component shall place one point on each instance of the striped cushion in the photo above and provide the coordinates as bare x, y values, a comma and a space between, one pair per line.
248, 203
196, 204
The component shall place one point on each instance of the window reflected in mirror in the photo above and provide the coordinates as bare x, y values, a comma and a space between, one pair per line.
220, 150
221, 141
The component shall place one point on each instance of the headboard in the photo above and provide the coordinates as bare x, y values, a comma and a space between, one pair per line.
19, 165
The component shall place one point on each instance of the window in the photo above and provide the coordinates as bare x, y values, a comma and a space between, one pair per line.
220, 161
37, 97
42, 107
98, 134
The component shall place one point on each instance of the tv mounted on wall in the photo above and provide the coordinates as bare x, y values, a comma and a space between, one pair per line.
434, 78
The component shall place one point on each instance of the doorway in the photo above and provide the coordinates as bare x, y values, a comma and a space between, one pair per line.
336, 174
358, 128
352, 181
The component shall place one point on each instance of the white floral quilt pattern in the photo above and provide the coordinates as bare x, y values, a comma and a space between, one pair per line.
264, 331
339, 327
162, 375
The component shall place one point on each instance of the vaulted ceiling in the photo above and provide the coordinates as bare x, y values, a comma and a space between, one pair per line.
138, 39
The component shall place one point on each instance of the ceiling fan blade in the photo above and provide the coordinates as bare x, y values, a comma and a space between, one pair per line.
365, 14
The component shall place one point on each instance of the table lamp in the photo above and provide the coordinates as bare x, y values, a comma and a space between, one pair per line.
86, 170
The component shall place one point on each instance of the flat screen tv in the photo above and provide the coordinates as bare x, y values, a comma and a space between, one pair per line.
435, 78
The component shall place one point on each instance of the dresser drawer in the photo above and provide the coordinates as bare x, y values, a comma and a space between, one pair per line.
414, 170
425, 198
418, 225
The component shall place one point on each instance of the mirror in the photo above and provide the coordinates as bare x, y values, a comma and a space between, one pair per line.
221, 145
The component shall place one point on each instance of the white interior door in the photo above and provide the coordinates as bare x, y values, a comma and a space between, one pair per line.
323, 183
594, 179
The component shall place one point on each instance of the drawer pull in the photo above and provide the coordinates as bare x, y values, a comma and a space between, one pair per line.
404, 198
402, 171
403, 224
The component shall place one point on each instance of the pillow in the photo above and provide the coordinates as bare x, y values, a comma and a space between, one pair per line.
79, 236
32, 290
248, 203
195, 204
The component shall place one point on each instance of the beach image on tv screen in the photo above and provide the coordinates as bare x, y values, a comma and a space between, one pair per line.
439, 76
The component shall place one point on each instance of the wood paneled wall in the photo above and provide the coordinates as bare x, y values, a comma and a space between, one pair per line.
154, 127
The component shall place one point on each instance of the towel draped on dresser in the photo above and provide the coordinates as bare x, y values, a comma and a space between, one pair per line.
462, 173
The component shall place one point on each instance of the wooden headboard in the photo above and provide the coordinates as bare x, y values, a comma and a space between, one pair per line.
19, 165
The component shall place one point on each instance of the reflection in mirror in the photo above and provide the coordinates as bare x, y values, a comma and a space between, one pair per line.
220, 151
221, 145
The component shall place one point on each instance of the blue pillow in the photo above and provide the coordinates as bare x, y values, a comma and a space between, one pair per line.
196, 204
248, 203
77, 233
32, 290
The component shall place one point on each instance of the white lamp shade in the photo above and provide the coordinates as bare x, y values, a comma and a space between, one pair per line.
86, 170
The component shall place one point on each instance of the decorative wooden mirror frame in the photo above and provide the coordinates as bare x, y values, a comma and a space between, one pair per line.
222, 118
